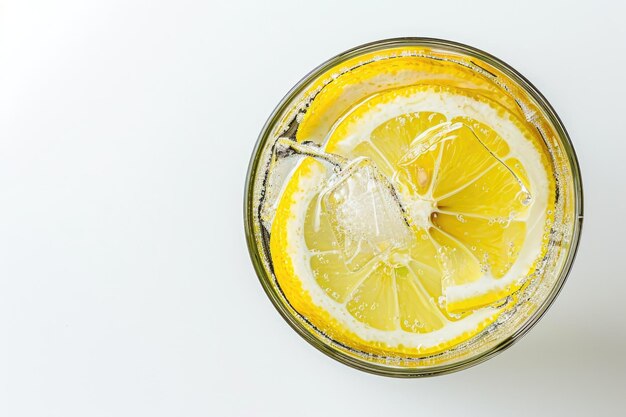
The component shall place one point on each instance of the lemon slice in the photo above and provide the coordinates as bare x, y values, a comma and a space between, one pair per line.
339, 88
476, 200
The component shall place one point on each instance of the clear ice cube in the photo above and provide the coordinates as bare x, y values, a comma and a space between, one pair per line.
365, 213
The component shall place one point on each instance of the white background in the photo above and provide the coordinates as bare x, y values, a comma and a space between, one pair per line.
125, 283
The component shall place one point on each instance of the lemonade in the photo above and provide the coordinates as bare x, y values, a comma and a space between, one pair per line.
413, 206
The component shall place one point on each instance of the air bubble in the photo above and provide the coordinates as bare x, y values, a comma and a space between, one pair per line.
526, 198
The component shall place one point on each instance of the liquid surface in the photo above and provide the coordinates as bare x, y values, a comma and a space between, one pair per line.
419, 213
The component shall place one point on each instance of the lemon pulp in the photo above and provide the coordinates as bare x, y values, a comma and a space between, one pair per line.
476, 200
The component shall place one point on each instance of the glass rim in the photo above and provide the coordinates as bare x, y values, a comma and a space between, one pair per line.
255, 252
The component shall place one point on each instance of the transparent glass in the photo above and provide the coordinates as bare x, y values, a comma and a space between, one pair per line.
564, 236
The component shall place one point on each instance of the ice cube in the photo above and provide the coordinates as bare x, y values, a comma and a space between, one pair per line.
285, 156
365, 213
